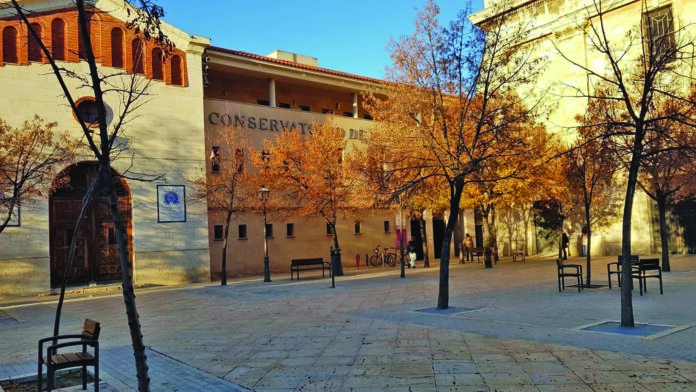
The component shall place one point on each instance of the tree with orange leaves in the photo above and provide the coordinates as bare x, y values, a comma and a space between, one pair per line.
29, 157
313, 173
452, 117
226, 184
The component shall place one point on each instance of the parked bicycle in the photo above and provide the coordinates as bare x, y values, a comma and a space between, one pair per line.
383, 258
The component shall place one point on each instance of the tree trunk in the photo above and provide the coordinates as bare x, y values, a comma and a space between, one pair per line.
526, 231
336, 268
626, 279
426, 255
587, 256
127, 282
487, 259
443, 292
664, 241
223, 278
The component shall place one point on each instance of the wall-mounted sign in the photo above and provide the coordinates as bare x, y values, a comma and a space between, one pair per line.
171, 203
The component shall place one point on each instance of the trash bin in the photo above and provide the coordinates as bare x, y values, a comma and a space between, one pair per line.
336, 267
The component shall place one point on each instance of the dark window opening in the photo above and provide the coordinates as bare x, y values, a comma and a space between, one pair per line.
215, 159
659, 28
9, 45
386, 226
263, 102
87, 110
138, 56
348, 114
304, 108
269, 230
284, 105
242, 232
157, 64
35, 53
328, 229
58, 39
327, 111
177, 71
117, 48
111, 234
218, 232
291, 230
239, 159
69, 234
367, 117
357, 228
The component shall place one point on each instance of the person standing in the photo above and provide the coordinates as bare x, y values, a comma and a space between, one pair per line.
564, 243
468, 247
412, 252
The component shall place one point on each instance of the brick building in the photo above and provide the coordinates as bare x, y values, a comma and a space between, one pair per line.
164, 137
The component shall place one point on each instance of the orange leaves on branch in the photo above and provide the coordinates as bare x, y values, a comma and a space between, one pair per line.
30, 157
313, 171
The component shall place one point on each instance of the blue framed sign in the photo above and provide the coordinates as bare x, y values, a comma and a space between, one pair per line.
171, 203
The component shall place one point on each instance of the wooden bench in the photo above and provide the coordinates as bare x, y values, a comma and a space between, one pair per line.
308, 264
55, 360
518, 254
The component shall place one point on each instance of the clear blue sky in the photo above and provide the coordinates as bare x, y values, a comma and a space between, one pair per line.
349, 36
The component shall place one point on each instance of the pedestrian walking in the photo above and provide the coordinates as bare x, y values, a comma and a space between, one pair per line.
412, 252
468, 247
564, 242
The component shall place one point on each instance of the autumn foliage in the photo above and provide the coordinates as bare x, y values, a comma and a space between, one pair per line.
312, 174
29, 158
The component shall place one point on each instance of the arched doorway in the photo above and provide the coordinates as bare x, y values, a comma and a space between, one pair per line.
96, 254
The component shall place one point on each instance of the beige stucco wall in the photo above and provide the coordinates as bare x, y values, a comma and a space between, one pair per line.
245, 256
166, 138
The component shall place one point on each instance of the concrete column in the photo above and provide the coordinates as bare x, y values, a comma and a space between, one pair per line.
271, 93
355, 105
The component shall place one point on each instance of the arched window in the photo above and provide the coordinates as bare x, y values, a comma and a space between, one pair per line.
34, 47
117, 47
9, 45
177, 76
157, 60
58, 39
138, 56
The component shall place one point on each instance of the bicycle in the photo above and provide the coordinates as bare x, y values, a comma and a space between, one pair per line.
383, 258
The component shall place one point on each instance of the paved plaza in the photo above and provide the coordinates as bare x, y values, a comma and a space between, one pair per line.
508, 329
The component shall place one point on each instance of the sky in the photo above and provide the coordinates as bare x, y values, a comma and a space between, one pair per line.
349, 36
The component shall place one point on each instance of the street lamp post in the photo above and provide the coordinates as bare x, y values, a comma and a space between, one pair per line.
263, 196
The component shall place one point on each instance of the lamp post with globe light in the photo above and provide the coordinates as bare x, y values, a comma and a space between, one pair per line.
263, 196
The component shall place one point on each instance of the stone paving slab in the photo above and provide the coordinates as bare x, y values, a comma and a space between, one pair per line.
367, 335
117, 373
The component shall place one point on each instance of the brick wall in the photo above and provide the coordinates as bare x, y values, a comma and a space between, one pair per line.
101, 26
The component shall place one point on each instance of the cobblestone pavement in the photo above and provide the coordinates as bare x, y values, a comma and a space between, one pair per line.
508, 329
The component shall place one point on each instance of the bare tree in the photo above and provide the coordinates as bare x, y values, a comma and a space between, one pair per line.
635, 75
225, 187
590, 166
132, 91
